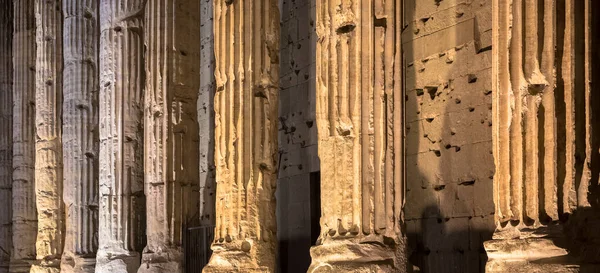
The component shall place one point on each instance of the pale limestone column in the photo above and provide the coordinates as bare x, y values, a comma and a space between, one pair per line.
6, 104
171, 148
360, 128
23, 187
48, 141
122, 203
246, 34
80, 134
542, 165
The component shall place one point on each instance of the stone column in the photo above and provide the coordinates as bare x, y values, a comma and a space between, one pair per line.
6, 136
23, 188
360, 128
542, 133
80, 134
171, 130
246, 34
48, 142
122, 203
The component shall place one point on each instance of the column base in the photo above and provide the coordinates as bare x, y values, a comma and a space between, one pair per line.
46, 267
367, 255
169, 260
242, 256
532, 255
20, 266
117, 262
77, 264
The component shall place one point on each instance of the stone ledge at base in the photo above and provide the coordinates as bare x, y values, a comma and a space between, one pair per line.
362, 257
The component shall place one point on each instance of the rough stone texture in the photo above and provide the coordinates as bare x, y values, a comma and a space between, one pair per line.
48, 142
545, 154
122, 203
359, 121
6, 136
80, 135
206, 115
246, 110
171, 148
298, 208
23, 141
449, 162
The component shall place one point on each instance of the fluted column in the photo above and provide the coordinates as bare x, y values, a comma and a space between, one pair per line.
171, 130
23, 188
6, 105
246, 34
48, 142
542, 133
80, 134
360, 128
122, 202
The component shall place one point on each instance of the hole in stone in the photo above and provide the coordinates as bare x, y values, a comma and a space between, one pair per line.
118, 28
471, 109
309, 123
439, 188
472, 78
380, 22
425, 19
467, 183
228, 2
457, 149
432, 90
457, 101
437, 153
448, 146
345, 28
429, 120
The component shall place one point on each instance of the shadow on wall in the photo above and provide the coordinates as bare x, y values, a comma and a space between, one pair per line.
449, 206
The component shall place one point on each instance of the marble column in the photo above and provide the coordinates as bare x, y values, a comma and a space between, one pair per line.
360, 128
171, 135
121, 183
48, 141
24, 212
542, 134
246, 35
6, 104
80, 134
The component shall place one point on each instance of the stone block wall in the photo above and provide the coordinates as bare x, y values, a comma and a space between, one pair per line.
297, 137
449, 164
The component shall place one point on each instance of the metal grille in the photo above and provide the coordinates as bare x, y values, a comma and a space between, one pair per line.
197, 248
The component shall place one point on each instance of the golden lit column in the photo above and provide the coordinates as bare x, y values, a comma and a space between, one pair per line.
246, 34
541, 133
121, 209
171, 150
24, 214
360, 130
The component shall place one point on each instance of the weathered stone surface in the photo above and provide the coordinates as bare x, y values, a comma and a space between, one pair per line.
246, 37
80, 134
23, 188
122, 202
360, 125
543, 140
171, 130
6, 136
48, 144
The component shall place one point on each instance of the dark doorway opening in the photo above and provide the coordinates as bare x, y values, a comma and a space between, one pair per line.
196, 248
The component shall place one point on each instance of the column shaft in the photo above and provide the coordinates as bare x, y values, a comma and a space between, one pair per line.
360, 127
48, 144
246, 37
171, 130
6, 105
122, 203
80, 134
23, 187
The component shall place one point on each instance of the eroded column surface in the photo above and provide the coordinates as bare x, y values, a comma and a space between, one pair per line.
6, 105
359, 119
543, 145
48, 141
122, 203
23, 141
171, 130
80, 134
246, 37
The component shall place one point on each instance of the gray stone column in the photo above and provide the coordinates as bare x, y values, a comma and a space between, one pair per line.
360, 129
80, 134
246, 37
48, 143
23, 188
171, 148
6, 105
122, 202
